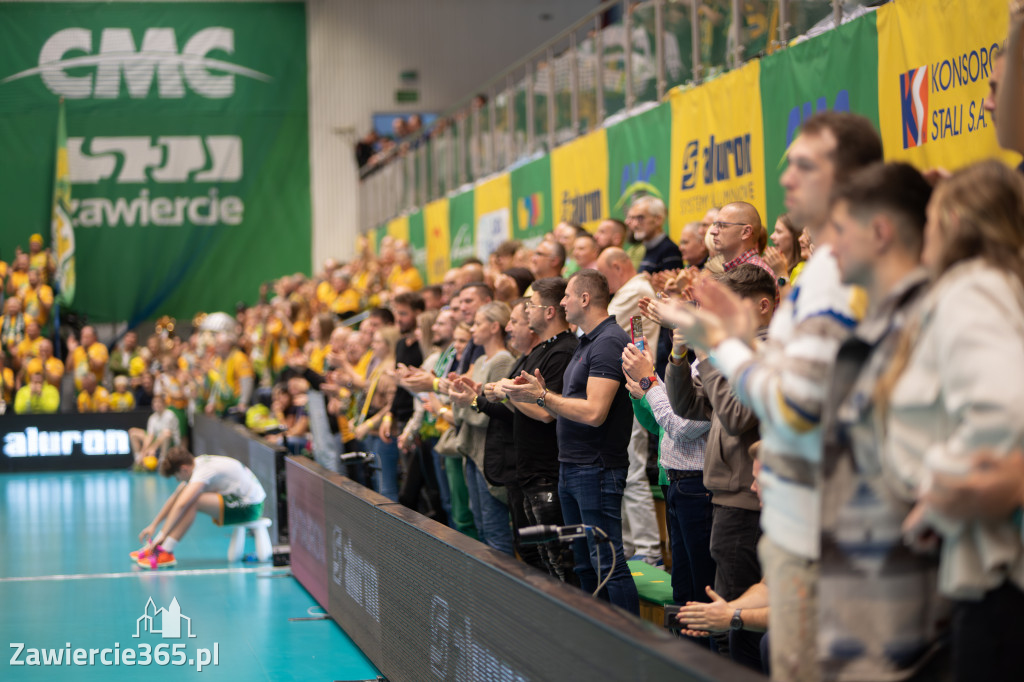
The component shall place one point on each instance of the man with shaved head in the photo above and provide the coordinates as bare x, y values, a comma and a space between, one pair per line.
610, 232
735, 233
640, 536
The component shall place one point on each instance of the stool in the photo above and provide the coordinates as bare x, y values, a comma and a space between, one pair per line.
258, 528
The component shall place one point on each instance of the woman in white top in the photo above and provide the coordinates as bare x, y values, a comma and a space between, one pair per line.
957, 388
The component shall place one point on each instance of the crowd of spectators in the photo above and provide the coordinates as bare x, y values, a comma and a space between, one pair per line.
834, 421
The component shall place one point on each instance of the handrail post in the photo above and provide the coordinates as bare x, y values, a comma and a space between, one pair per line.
627, 27
659, 48
599, 71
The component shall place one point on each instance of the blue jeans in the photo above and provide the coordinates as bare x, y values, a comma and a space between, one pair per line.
689, 511
385, 477
490, 515
442, 482
592, 495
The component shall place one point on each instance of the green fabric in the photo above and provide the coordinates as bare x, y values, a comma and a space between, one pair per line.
653, 584
462, 516
644, 415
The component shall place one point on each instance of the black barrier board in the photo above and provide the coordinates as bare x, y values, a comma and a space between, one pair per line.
424, 602
67, 442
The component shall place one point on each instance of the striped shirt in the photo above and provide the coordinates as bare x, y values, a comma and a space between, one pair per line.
684, 440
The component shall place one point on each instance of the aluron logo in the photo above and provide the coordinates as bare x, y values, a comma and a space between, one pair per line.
35, 443
61, 55
581, 208
914, 106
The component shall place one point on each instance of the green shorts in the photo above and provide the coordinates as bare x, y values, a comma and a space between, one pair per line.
232, 511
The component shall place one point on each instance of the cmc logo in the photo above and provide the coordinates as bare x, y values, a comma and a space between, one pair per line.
167, 158
914, 106
118, 56
35, 443
529, 210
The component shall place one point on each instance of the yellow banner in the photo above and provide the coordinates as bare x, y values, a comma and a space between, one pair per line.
398, 228
492, 210
717, 147
934, 63
579, 181
435, 225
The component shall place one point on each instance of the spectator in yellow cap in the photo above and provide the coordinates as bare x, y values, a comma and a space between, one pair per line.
41, 258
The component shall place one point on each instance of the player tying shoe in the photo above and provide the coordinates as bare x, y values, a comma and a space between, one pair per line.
220, 487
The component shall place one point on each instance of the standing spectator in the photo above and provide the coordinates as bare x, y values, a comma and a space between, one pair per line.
784, 381
51, 367
88, 357
122, 400
144, 390
691, 245
547, 260
17, 276
736, 233
124, 353
594, 419
471, 297
37, 397
786, 238
646, 219
37, 297
404, 276
640, 536
92, 397
6, 384
41, 259
488, 502
565, 235
12, 327
728, 471
880, 219
374, 411
610, 232
29, 346
940, 412
231, 378
585, 252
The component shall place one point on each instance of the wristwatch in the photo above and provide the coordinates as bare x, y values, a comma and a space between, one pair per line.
647, 382
737, 621
540, 400
474, 405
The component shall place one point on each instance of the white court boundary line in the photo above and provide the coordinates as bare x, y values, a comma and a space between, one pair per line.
140, 574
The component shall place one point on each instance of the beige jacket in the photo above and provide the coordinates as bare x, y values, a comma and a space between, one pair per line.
962, 390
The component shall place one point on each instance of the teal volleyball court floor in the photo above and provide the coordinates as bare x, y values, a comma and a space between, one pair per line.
67, 588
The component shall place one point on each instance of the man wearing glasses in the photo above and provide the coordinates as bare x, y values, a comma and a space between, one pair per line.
646, 220
735, 233
548, 259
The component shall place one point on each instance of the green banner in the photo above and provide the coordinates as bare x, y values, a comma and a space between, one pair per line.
187, 138
639, 158
531, 200
418, 243
461, 227
813, 76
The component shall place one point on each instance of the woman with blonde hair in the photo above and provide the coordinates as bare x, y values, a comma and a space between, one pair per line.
488, 503
955, 388
375, 409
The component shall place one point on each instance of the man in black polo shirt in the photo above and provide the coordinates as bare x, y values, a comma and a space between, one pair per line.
593, 422
534, 431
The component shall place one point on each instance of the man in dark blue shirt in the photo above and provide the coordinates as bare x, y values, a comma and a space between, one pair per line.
646, 220
593, 421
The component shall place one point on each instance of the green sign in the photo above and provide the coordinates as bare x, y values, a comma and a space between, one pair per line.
835, 71
639, 158
531, 200
462, 227
187, 139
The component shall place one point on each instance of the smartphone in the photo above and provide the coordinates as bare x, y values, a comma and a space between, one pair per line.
637, 328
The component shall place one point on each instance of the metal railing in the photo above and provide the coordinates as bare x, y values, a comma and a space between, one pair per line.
621, 55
